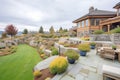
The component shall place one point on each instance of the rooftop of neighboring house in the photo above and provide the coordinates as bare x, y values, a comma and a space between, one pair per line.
95, 12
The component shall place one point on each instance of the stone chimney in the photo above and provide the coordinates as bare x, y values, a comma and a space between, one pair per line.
91, 9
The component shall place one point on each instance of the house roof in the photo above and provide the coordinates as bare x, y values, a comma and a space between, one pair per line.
117, 5
96, 13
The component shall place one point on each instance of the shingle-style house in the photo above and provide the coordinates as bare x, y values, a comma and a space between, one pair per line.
94, 20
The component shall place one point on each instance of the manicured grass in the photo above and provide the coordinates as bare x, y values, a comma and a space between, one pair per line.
19, 65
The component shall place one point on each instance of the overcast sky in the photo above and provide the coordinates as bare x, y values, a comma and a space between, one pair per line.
31, 14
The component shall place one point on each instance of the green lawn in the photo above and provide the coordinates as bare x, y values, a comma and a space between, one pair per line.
18, 66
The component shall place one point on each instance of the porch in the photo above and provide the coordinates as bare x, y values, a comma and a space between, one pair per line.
110, 24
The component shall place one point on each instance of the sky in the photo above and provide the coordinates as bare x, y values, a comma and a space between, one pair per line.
31, 14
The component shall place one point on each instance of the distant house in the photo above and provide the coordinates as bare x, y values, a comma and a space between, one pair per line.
95, 20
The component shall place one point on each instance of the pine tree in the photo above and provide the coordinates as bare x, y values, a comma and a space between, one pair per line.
60, 30
41, 30
51, 30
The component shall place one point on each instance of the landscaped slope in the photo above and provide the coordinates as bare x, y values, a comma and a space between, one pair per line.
18, 66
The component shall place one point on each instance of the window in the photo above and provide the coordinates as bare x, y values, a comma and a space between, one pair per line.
78, 24
92, 22
82, 23
87, 23
97, 22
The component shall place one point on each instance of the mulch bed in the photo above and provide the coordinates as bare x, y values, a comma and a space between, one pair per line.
61, 54
45, 74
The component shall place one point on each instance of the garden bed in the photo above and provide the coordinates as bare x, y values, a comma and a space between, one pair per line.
45, 74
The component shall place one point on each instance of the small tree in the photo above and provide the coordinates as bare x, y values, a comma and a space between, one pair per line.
60, 30
11, 30
51, 30
41, 30
65, 30
4, 35
25, 31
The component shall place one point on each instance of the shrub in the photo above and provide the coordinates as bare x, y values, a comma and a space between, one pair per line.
54, 51
86, 38
92, 43
41, 51
116, 30
37, 73
71, 54
84, 47
4, 35
48, 78
98, 32
58, 65
66, 45
113, 46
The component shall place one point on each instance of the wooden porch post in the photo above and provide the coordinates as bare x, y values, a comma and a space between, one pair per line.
108, 27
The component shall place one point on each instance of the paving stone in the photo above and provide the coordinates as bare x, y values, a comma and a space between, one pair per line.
90, 68
67, 77
84, 72
79, 77
93, 76
75, 70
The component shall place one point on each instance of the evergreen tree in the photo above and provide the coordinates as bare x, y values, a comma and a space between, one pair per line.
51, 30
25, 31
60, 30
41, 30
65, 30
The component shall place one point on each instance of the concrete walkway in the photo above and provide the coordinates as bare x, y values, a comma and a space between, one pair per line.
86, 68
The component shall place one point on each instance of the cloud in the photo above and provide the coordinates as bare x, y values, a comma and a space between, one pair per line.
48, 12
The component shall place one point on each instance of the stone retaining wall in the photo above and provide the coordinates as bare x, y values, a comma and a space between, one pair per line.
114, 38
63, 49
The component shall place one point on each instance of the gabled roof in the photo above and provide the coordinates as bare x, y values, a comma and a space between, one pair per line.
97, 13
117, 5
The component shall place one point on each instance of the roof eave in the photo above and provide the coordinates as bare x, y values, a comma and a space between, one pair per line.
90, 16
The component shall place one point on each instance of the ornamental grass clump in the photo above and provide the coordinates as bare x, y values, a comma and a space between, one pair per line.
84, 47
71, 54
98, 32
58, 65
116, 30
37, 73
54, 51
92, 43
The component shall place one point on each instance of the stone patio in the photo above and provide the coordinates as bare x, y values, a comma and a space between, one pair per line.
86, 68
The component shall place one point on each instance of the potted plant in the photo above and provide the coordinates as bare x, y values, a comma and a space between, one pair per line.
114, 47
72, 56
84, 48
92, 45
